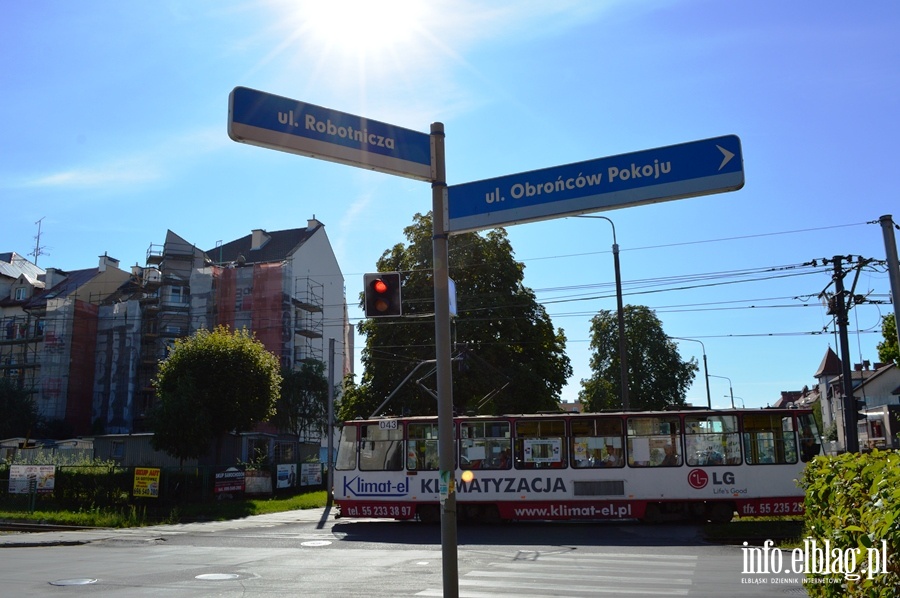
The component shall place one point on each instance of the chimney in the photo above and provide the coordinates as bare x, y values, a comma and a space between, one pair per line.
857, 367
312, 223
52, 277
259, 239
105, 261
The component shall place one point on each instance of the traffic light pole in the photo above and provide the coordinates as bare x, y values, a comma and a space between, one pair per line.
446, 461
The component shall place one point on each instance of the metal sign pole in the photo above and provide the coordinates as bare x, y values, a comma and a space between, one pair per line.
446, 444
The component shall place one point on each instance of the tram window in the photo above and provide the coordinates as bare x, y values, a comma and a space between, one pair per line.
769, 439
484, 445
810, 441
380, 448
346, 454
712, 440
654, 441
597, 442
422, 447
540, 443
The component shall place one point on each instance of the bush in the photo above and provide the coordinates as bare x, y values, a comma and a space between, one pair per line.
853, 505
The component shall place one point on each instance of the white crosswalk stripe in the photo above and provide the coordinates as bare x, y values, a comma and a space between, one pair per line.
536, 575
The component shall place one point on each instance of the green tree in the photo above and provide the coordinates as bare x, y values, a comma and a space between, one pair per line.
888, 352
303, 403
212, 383
18, 413
657, 376
507, 355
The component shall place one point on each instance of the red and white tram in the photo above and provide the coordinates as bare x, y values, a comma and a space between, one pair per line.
704, 464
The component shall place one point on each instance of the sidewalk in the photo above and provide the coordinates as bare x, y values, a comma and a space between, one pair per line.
73, 538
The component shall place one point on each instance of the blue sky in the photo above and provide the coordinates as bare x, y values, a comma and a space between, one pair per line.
114, 118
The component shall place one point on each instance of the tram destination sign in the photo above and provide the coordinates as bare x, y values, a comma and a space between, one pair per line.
686, 170
274, 122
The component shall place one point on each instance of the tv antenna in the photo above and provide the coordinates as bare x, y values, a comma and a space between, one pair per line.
38, 248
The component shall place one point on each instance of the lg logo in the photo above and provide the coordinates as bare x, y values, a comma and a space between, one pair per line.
698, 478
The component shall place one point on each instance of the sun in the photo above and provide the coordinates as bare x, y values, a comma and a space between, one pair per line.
358, 29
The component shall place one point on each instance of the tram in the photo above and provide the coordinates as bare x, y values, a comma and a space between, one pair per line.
654, 466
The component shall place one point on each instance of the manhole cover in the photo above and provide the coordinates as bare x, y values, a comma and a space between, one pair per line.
73, 582
316, 543
217, 576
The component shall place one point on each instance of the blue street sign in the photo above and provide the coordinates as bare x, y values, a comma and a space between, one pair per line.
649, 176
271, 121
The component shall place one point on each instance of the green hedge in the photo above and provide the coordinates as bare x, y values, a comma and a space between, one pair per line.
853, 512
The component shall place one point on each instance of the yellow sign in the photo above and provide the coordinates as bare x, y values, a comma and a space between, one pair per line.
146, 482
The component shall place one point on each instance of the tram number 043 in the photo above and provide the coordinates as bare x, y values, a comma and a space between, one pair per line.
379, 511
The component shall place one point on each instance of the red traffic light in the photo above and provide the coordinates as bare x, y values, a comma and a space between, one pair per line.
382, 294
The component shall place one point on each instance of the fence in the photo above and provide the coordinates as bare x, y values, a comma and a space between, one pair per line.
78, 487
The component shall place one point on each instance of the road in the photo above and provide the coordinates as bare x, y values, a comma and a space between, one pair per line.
309, 553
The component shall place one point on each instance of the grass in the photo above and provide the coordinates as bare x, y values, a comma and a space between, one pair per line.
148, 514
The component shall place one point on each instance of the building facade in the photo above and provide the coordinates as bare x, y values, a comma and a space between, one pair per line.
88, 342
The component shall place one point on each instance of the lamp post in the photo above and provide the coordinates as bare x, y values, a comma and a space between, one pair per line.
741, 399
623, 346
730, 391
705, 369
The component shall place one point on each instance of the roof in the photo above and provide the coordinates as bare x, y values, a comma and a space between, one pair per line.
830, 366
12, 264
74, 280
280, 245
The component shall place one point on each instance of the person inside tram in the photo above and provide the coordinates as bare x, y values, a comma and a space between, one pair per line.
670, 458
809, 448
613, 459
504, 459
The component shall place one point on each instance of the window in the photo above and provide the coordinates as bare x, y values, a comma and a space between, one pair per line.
597, 442
381, 446
540, 443
117, 449
178, 295
346, 453
654, 441
21, 294
422, 447
257, 450
769, 439
485, 445
810, 441
712, 440
285, 451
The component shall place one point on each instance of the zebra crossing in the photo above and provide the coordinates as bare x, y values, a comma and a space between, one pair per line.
545, 575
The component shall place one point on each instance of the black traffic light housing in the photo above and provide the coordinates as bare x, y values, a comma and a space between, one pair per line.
382, 294
860, 408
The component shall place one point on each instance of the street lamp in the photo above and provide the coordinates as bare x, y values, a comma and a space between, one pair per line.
730, 391
623, 347
743, 405
705, 370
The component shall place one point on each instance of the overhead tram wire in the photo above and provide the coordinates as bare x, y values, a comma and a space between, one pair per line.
668, 245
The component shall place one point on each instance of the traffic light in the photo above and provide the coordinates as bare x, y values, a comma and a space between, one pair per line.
860, 407
382, 294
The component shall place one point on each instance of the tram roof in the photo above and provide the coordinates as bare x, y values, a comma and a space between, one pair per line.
574, 414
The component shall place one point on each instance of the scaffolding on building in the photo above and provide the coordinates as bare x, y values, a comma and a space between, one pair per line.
308, 303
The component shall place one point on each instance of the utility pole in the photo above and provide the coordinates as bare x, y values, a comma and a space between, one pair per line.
890, 249
838, 308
